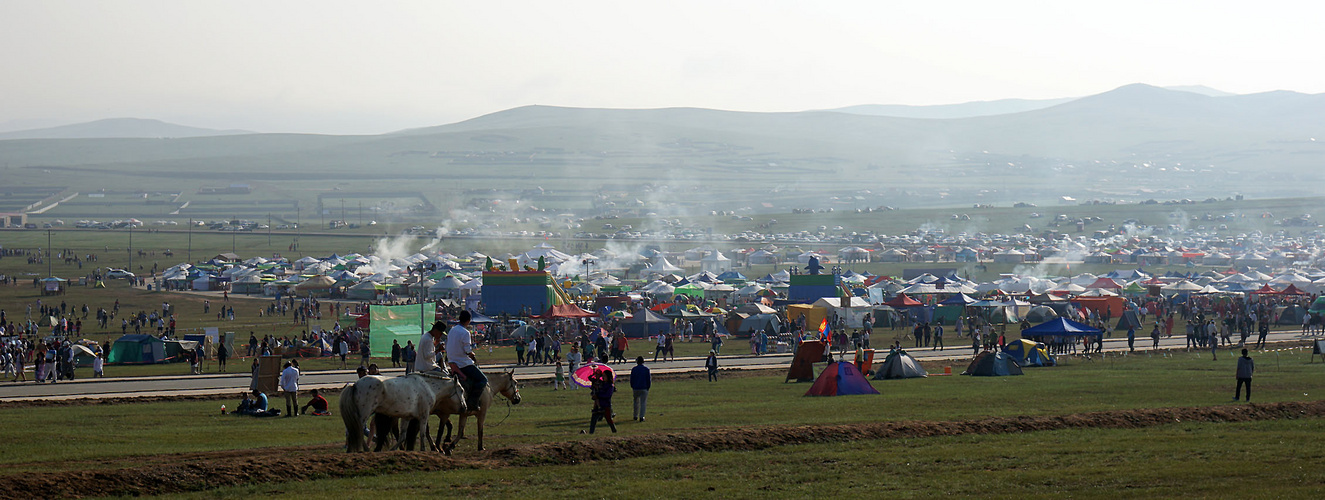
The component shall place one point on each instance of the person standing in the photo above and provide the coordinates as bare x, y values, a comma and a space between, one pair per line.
365, 350
661, 348
573, 358
395, 353
290, 387
601, 391
343, 349
1245, 368
407, 356
938, 336
1131, 338
1264, 331
519, 352
559, 377
222, 354
99, 365
640, 382
711, 364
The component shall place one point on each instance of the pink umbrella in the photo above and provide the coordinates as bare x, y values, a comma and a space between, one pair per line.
582, 374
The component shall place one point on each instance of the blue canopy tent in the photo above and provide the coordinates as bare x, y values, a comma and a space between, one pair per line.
960, 299
645, 323
1062, 327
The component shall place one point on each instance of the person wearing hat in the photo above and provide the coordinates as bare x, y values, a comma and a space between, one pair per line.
426, 358
712, 365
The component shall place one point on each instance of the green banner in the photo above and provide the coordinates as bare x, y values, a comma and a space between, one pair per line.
397, 323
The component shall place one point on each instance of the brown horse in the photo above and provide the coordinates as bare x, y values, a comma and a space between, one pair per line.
502, 383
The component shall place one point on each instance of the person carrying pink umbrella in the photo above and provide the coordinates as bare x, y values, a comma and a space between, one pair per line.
602, 390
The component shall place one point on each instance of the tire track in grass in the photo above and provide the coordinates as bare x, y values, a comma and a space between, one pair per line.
201, 471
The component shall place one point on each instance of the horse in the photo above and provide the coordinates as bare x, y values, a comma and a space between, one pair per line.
503, 383
444, 408
412, 397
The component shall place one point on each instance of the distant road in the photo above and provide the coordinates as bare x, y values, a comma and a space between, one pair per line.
958, 352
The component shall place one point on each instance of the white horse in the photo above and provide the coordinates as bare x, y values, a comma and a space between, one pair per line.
411, 397
502, 383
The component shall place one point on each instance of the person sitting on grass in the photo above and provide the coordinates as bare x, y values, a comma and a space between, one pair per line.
319, 405
256, 407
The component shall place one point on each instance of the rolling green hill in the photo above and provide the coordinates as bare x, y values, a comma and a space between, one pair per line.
1129, 144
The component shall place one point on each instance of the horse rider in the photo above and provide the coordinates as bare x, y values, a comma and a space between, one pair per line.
426, 358
460, 353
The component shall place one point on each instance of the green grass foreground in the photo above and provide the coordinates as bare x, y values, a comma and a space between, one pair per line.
109, 435
1276, 459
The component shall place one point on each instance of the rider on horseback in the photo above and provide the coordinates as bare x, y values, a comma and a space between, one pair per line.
426, 359
460, 352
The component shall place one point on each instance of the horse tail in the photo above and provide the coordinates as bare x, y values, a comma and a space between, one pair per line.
349, 412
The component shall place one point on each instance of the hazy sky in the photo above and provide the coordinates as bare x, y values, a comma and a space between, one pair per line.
371, 67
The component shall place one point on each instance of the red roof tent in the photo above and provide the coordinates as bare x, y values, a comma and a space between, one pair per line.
901, 300
1266, 290
1104, 283
1292, 290
566, 311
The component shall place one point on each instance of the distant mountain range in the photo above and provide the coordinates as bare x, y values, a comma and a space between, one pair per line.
118, 128
986, 108
1134, 139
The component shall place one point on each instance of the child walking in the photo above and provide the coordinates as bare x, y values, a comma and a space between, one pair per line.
560, 378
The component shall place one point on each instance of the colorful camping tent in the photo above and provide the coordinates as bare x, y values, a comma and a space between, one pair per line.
992, 364
136, 348
813, 315
802, 365
1029, 353
840, 379
899, 364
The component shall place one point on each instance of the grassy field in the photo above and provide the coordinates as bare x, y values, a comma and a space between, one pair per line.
108, 435
1207, 460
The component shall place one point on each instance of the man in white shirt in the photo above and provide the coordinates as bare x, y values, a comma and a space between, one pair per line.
425, 359
290, 387
460, 351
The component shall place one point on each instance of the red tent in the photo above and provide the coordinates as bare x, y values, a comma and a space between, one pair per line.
802, 366
901, 300
1104, 283
566, 311
841, 379
1266, 290
1292, 290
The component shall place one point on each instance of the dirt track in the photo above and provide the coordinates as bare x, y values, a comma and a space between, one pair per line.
173, 473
